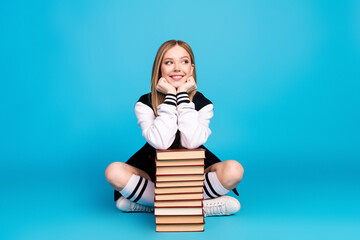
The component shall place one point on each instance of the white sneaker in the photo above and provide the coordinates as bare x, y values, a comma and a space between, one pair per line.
128, 206
224, 205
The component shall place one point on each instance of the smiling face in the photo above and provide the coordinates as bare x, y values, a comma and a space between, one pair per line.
176, 66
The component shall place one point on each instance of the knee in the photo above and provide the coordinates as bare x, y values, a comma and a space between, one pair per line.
234, 171
113, 171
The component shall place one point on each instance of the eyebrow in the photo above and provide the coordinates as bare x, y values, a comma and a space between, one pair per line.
180, 58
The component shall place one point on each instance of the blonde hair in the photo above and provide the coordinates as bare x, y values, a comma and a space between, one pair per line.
157, 98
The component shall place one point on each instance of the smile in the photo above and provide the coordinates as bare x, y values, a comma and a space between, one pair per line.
177, 77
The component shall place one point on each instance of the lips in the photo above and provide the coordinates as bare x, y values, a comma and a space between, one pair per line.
177, 77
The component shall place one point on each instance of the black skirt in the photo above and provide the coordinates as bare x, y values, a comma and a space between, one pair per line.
144, 159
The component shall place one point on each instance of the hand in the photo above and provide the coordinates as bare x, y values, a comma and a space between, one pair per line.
164, 87
188, 86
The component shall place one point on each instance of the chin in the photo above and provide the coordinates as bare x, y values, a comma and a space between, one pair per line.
176, 85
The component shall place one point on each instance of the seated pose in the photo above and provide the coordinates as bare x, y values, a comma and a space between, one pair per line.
173, 115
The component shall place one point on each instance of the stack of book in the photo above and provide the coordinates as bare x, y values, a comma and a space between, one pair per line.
179, 190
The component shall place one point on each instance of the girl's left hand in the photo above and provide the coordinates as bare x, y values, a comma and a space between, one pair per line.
188, 86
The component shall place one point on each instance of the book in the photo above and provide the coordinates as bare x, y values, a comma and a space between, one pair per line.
180, 170
179, 184
197, 203
178, 205
173, 190
178, 211
175, 197
179, 219
177, 178
180, 154
180, 227
188, 162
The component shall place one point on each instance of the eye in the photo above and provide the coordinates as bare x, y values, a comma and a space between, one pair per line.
186, 61
167, 62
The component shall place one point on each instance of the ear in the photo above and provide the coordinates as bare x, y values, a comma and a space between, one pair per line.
192, 68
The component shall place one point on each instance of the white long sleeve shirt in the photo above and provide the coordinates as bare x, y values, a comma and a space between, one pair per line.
192, 119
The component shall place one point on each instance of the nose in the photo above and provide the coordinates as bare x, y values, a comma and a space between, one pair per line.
176, 67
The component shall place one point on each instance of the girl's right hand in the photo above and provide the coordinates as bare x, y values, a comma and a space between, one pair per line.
164, 87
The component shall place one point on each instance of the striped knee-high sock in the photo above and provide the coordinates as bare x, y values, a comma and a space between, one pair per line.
212, 186
139, 190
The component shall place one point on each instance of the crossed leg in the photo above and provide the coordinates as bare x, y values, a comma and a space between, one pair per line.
118, 174
229, 173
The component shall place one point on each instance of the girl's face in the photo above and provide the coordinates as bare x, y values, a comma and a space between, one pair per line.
176, 66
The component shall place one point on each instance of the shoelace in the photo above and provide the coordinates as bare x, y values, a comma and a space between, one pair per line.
215, 209
135, 207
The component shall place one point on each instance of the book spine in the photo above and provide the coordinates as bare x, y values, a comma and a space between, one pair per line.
183, 231
179, 222
196, 199
197, 165
176, 159
181, 174
178, 193
184, 186
156, 181
156, 215
180, 206
180, 150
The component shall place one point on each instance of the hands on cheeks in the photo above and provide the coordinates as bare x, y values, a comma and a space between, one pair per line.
164, 87
188, 86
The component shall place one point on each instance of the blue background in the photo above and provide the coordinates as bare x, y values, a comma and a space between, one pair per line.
283, 77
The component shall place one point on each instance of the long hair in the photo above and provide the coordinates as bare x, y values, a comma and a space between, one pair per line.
158, 98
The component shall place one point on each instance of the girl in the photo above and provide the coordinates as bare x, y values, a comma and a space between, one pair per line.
174, 115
